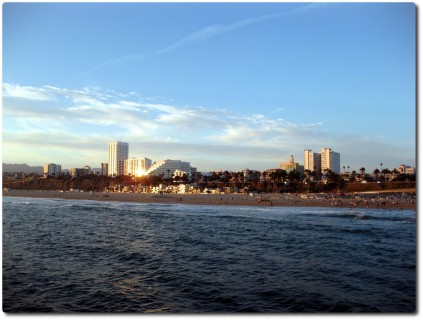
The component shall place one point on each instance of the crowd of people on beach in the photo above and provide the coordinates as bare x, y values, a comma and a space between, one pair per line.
387, 200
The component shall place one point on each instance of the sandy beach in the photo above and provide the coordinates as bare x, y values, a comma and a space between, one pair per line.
386, 200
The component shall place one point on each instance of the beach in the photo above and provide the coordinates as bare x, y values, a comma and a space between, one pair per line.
395, 199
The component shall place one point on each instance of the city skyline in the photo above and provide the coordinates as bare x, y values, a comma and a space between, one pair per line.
221, 85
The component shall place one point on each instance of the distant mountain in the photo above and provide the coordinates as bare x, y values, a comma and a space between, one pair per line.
7, 167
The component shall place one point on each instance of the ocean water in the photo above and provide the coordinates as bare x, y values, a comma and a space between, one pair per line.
86, 256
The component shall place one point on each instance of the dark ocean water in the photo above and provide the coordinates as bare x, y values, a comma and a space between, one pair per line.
76, 256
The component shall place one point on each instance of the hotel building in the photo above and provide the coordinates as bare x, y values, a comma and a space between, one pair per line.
168, 167
137, 167
331, 160
52, 169
312, 161
118, 153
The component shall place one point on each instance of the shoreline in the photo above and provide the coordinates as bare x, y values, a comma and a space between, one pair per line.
387, 200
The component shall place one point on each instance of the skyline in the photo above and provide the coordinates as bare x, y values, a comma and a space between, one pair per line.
215, 84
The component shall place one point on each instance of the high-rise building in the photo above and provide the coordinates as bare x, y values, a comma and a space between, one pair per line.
137, 167
52, 169
312, 161
104, 169
331, 160
118, 153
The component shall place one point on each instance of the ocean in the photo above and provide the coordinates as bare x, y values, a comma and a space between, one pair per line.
95, 256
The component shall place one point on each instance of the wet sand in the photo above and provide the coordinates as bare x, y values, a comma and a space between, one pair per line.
391, 200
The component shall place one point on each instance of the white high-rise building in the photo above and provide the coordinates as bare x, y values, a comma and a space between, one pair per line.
312, 161
118, 153
331, 160
168, 167
137, 167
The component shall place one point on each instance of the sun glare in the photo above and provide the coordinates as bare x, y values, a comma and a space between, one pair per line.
141, 173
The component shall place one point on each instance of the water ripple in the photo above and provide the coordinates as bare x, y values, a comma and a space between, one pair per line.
82, 256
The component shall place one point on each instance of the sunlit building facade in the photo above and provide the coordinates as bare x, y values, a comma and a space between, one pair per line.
52, 169
118, 153
291, 165
312, 161
167, 168
137, 167
331, 160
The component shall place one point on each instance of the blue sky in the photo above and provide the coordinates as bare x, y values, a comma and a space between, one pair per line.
222, 85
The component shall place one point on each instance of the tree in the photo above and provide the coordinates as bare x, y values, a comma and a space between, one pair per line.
386, 171
284, 174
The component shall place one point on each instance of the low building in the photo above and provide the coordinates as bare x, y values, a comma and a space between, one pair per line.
80, 172
291, 165
406, 169
184, 188
166, 168
156, 189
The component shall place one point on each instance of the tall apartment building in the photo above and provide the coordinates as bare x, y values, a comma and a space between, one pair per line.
312, 161
331, 160
104, 169
52, 169
137, 167
118, 153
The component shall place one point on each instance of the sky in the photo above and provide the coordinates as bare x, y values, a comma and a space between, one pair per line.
222, 85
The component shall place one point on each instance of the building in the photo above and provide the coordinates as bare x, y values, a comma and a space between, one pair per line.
312, 161
52, 169
104, 169
167, 168
80, 172
118, 153
291, 165
137, 167
331, 160
406, 169
184, 188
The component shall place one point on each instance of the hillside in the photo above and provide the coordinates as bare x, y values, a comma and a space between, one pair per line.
7, 167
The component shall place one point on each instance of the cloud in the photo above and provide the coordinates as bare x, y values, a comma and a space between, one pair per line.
76, 122
26, 92
218, 29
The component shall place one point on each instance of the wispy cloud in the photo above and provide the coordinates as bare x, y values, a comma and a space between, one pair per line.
218, 29
204, 34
